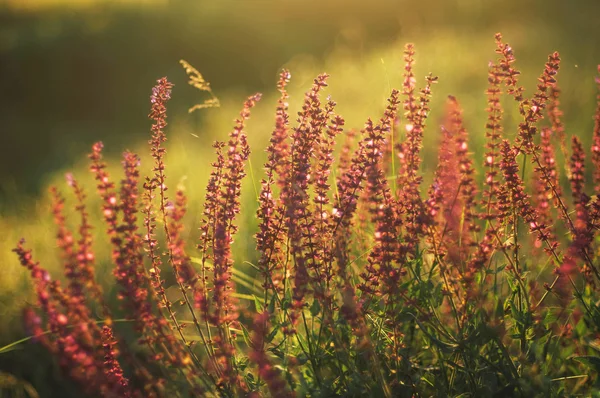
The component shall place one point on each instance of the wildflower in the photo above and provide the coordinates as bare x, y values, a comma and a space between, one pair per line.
223, 312
298, 218
271, 235
515, 196
117, 384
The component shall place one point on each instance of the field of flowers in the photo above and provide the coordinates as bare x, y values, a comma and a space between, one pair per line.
419, 221
361, 267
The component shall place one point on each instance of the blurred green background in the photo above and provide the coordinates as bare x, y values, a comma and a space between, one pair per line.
75, 72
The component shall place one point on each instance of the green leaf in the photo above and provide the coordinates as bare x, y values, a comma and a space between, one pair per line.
301, 358
511, 284
272, 335
272, 305
258, 305
514, 312
277, 352
315, 308
242, 363
246, 336
499, 269
590, 360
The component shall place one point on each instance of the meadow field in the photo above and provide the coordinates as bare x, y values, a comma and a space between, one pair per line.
438, 240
